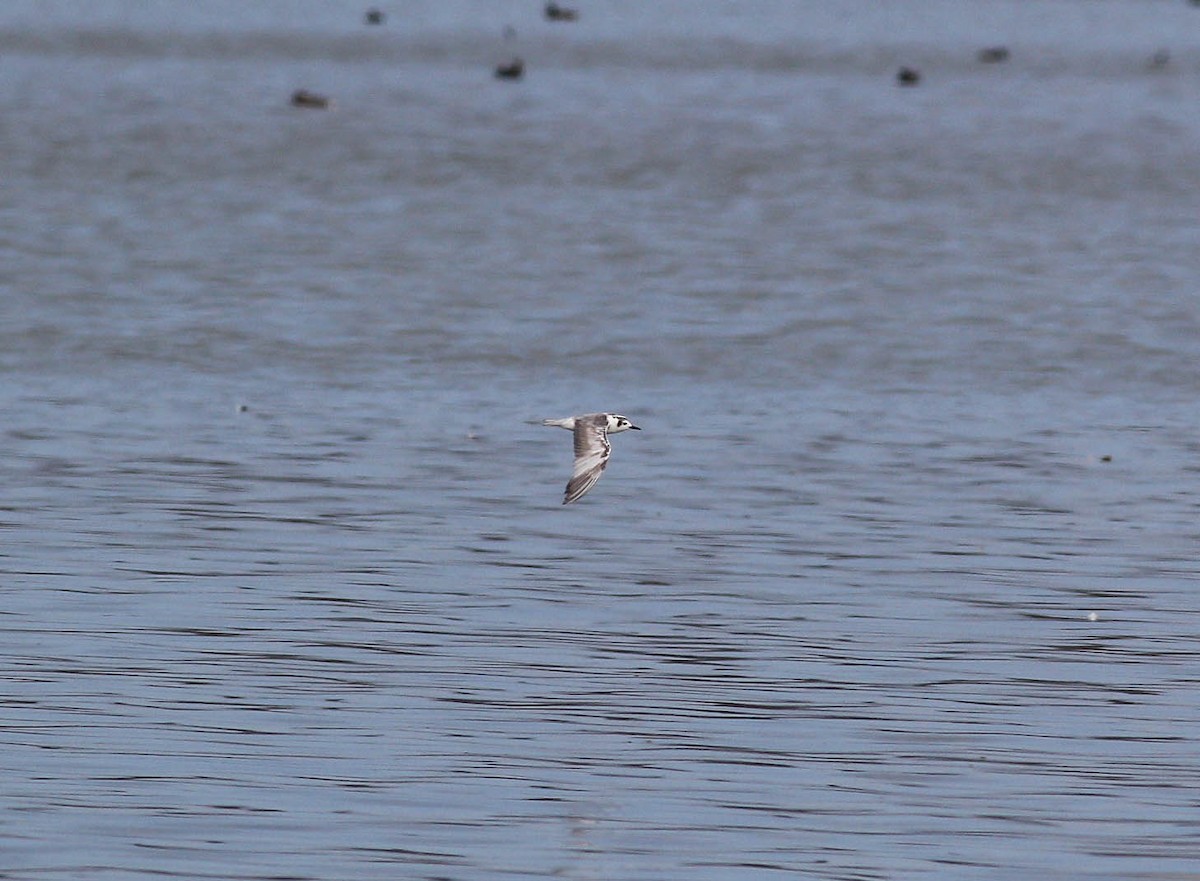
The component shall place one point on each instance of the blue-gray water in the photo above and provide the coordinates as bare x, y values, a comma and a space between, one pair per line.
898, 581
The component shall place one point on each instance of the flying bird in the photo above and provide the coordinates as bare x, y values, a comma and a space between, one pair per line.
591, 448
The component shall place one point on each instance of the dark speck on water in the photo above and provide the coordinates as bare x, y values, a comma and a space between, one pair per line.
554, 12
311, 100
897, 582
513, 70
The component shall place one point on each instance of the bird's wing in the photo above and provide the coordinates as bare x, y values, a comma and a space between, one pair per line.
591, 455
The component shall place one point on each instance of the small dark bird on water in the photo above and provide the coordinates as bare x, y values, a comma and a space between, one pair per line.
374, 16
554, 12
908, 76
305, 98
993, 55
514, 70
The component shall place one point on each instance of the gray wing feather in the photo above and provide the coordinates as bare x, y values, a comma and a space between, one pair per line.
591, 455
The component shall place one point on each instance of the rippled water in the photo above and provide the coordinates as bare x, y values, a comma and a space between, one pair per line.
898, 581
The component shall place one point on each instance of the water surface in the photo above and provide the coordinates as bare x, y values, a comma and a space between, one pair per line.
898, 580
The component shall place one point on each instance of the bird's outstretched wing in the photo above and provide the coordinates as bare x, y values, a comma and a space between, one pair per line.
591, 455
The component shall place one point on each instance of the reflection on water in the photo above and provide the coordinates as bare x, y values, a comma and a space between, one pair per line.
896, 582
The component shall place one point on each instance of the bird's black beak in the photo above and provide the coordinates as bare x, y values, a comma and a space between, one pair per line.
635, 428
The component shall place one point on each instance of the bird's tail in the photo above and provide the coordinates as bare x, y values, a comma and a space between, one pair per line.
568, 423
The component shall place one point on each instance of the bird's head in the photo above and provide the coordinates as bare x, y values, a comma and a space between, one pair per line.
616, 423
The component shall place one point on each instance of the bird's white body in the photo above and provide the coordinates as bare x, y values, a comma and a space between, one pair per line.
592, 448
